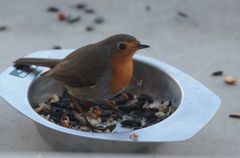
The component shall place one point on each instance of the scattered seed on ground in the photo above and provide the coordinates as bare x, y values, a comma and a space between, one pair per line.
56, 47
99, 20
80, 6
90, 11
89, 28
217, 73
148, 8
3, 28
234, 116
229, 80
52, 9
71, 20
182, 14
61, 16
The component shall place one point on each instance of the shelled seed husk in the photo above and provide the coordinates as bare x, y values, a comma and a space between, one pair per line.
126, 109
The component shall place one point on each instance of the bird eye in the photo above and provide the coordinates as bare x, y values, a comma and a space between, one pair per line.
121, 45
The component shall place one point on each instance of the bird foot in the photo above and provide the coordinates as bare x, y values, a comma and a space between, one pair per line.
77, 105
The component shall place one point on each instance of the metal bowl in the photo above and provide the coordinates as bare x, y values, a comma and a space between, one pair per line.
191, 101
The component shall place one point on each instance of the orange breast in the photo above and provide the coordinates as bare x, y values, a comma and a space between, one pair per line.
122, 73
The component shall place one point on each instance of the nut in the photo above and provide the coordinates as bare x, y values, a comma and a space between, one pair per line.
43, 107
84, 128
134, 136
54, 98
230, 80
160, 114
65, 121
61, 16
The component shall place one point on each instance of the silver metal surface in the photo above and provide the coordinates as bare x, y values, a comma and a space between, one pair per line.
195, 106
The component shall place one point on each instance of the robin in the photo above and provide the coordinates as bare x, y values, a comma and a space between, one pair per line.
94, 72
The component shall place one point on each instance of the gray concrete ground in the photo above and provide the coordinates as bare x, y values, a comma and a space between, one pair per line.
205, 41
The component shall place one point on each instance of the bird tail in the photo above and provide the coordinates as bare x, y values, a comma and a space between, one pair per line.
38, 62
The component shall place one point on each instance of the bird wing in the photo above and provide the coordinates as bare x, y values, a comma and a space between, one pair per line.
82, 68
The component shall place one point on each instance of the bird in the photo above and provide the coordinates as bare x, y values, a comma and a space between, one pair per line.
96, 71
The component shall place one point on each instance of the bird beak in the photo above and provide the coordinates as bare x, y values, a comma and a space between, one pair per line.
142, 46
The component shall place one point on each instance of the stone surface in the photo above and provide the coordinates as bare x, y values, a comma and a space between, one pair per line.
205, 40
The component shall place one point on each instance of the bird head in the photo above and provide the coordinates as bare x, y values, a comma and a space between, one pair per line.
122, 45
